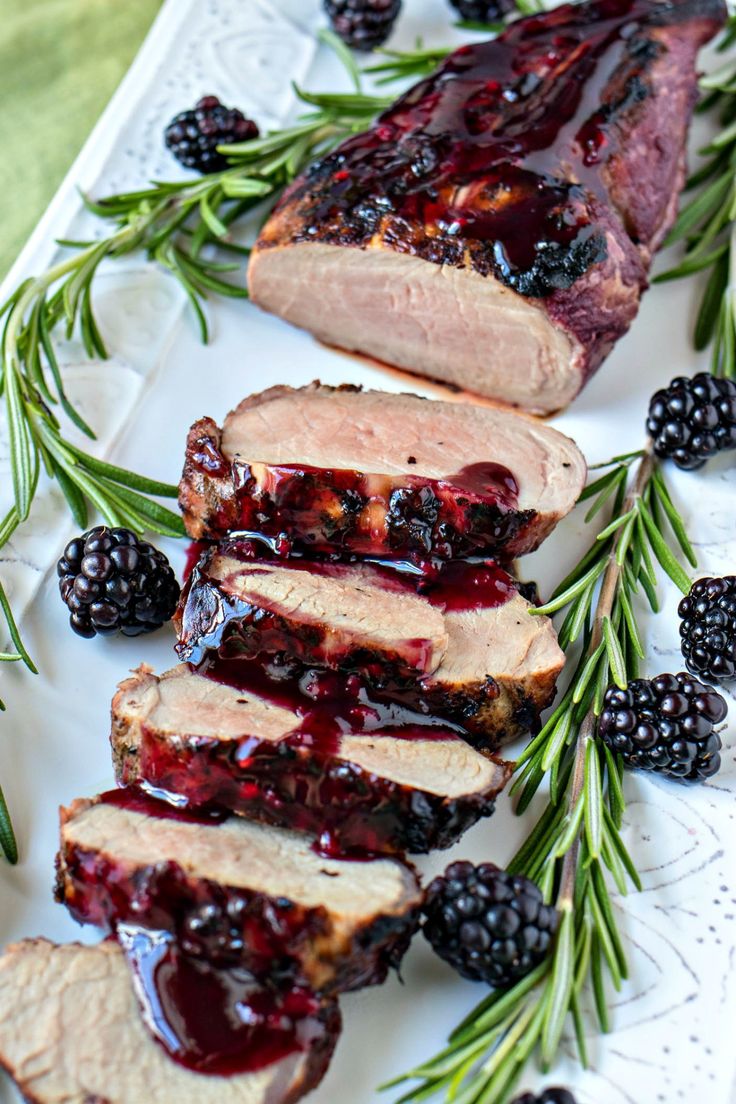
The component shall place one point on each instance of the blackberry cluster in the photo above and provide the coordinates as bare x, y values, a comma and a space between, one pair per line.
552, 1095
489, 925
193, 136
666, 725
693, 419
112, 582
483, 11
363, 24
708, 628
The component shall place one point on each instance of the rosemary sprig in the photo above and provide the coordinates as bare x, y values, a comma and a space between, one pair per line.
174, 224
575, 850
707, 223
8, 843
400, 65
177, 225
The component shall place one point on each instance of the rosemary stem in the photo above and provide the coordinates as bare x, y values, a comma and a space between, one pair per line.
586, 733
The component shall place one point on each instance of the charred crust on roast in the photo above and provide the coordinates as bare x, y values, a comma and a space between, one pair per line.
296, 944
372, 814
206, 492
416, 517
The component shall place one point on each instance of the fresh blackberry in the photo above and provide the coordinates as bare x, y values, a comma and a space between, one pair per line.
363, 24
112, 582
666, 725
483, 11
693, 419
489, 925
708, 628
552, 1095
193, 136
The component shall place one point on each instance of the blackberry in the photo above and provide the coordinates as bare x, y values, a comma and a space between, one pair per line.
483, 11
554, 1095
363, 24
693, 419
708, 628
193, 136
489, 925
112, 582
666, 725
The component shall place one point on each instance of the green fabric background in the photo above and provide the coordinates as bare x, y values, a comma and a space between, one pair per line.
60, 61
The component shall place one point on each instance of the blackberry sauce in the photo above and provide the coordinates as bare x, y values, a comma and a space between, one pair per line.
211, 1019
330, 704
500, 151
476, 582
304, 780
329, 510
147, 803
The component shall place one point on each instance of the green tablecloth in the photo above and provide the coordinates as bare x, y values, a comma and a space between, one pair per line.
60, 61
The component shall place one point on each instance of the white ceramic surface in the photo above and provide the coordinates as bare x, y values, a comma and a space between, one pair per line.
673, 1022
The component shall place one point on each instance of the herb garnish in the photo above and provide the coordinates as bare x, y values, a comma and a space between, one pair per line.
575, 849
707, 223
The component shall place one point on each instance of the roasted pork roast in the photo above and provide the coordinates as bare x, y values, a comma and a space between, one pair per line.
345, 470
215, 744
494, 228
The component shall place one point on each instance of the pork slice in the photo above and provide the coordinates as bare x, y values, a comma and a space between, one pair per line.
341, 469
494, 228
322, 613
495, 673
236, 891
499, 671
211, 743
71, 1033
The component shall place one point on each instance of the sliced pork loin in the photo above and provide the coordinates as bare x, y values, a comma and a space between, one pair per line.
466, 648
236, 891
330, 614
494, 228
216, 744
71, 1032
340, 469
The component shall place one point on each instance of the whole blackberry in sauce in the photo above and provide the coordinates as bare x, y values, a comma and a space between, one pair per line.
665, 724
693, 419
112, 582
488, 925
708, 628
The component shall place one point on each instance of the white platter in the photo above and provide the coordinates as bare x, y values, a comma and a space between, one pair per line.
673, 1023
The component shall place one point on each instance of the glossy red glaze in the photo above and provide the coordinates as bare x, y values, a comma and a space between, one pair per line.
139, 801
328, 510
501, 151
195, 551
329, 704
212, 619
215, 1020
302, 781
